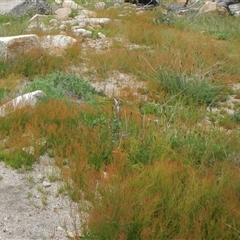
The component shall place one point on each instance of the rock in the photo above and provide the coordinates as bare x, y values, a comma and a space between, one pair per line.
227, 3
212, 7
117, 5
36, 22
62, 27
88, 13
59, 2
7, 6
32, 7
71, 4
99, 5
46, 184
30, 150
28, 99
60, 41
63, 13
13, 47
95, 21
235, 9
100, 35
53, 22
83, 32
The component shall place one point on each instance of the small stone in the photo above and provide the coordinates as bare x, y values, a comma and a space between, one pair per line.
59, 228
40, 176
101, 35
46, 184
53, 22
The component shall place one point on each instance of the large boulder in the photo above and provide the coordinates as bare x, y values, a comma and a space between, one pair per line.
13, 47
32, 7
63, 13
7, 6
213, 7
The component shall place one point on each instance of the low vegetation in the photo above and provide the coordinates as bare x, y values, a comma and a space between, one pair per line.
163, 166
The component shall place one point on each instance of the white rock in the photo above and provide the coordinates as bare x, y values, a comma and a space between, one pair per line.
96, 20
62, 27
99, 5
15, 46
212, 7
46, 184
53, 22
28, 99
101, 35
63, 13
59, 2
88, 13
83, 32
60, 41
71, 4
117, 5
30, 150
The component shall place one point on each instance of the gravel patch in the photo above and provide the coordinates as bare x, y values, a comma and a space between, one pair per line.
31, 206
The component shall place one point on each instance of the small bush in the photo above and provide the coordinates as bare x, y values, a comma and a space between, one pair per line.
58, 85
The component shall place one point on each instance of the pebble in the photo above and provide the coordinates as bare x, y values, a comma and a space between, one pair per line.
46, 184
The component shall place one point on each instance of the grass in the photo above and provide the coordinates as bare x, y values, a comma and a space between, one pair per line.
160, 167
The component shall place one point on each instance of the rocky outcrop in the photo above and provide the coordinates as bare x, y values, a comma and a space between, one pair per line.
32, 7
15, 46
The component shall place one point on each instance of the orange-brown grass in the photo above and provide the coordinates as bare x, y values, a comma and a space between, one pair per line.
184, 51
168, 201
144, 180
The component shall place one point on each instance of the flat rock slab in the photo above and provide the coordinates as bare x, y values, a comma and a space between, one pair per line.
7, 5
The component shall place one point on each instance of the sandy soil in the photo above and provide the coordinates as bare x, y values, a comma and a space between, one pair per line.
31, 206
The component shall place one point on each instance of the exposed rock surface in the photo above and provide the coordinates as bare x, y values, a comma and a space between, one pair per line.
15, 46
7, 5
32, 7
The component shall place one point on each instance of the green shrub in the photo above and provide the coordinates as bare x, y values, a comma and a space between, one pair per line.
58, 85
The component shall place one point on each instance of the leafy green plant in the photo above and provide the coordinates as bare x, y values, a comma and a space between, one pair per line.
57, 85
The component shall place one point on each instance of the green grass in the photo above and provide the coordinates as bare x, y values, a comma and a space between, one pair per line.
192, 89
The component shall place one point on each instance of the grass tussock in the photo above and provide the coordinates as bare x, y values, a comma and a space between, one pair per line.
158, 167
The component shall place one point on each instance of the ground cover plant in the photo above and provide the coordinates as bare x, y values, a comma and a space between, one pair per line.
159, 166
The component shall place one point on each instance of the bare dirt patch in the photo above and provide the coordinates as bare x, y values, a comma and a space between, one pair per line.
31, 206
